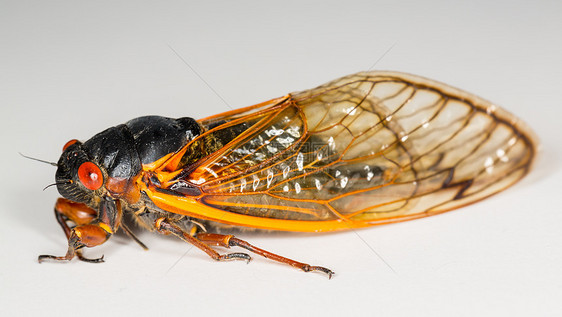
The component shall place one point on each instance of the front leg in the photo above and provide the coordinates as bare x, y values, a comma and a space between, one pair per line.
77, 213
90, 230
89, 235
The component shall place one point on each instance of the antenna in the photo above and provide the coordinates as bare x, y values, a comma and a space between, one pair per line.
38, 160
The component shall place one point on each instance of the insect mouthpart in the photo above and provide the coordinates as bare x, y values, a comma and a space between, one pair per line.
70, 190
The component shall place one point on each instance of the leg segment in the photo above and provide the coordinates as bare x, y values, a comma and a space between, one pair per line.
228, 241
132, 236
166, 226
87, 233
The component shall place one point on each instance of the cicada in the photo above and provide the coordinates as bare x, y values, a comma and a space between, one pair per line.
367, 149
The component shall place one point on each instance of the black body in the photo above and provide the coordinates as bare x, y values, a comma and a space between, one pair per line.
120, 151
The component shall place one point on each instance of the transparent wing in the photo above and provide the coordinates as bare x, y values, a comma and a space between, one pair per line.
366, 149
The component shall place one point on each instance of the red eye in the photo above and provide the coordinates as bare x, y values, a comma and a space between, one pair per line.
69, 143
90, 175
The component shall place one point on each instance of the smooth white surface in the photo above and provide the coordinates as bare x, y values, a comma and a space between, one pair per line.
69, 70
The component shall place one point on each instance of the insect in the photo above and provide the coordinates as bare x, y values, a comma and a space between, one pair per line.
367, 149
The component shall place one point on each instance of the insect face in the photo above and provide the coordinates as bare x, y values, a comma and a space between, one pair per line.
77, 176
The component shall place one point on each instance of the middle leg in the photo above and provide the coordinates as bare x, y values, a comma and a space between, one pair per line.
167, 226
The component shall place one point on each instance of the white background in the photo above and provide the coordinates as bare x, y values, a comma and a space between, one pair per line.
71, 69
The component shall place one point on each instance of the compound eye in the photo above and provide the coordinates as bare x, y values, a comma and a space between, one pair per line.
90, 175
69, 143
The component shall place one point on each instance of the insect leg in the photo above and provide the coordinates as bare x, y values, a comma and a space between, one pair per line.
80, 214
133, 236
167, 226
228, 241
89, 235
89, 231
